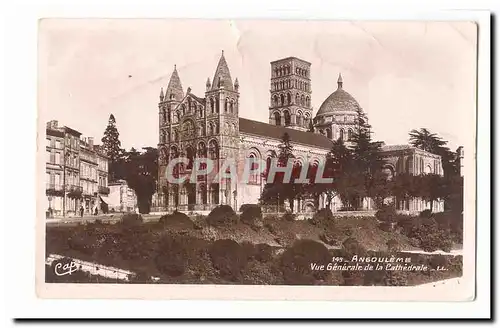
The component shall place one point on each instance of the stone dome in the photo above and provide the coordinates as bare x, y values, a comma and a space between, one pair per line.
339, 101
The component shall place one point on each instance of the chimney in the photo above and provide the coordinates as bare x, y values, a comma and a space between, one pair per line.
91, 142
52, 125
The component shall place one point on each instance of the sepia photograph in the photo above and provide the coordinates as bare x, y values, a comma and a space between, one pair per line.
256, 153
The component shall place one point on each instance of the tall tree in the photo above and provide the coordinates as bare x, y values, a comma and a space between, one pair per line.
278, 190
142, 175
366, 162
111, 146
336, 168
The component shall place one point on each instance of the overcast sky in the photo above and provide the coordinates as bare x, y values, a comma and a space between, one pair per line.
405, 75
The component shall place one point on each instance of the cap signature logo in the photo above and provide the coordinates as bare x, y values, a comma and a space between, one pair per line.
63, 269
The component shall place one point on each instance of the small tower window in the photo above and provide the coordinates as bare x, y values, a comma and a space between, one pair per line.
349, 134
282, 98
341, 134
329, 133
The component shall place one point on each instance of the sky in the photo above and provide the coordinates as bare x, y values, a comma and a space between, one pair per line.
405, 75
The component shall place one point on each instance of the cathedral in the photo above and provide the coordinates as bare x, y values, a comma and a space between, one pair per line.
211, 127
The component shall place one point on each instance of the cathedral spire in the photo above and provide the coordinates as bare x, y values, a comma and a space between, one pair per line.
174, 88
339, 81
222, 76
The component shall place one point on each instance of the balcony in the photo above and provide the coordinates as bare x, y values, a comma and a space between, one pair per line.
103, 190
52, 189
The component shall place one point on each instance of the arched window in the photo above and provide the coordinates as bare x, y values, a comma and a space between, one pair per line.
190, 156
299, 118
307, 120
254, 175
164, 116
289, 98
174, 152
297, 99
302, 100
202, 149
217, 105
176, 135
213, 149
275, 101
341, 134
226, 105
203, 194
277, 118
212, 106
349, 134
308, 102
287, 118
329, 133
231, 106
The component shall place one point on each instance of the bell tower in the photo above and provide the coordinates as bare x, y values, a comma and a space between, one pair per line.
290, 103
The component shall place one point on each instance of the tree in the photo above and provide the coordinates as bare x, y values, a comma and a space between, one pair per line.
431, 142
430, 187
111, 146
278, 190
403, 187
426, 140
336, 166
366, 162
142, 174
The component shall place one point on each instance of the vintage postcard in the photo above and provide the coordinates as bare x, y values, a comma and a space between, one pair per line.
256, 159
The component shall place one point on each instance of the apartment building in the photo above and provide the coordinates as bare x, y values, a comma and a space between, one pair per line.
76, 172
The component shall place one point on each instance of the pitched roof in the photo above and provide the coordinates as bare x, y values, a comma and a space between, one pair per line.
174, 88
276, 132
222, 75
396, 147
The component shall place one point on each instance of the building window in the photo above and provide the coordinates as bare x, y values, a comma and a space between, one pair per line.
287, 118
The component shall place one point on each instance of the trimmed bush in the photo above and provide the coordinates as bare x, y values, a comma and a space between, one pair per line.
387, 213
222, 215
288, 217
321, 216
251, 214
177, 220
296, 262
244, 207
131, 219
172, 255
229, 258
425, 214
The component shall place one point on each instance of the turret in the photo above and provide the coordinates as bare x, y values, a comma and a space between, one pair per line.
208, 84
236, 84
161, 94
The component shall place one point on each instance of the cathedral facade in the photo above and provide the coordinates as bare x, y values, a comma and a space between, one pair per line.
210, 127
